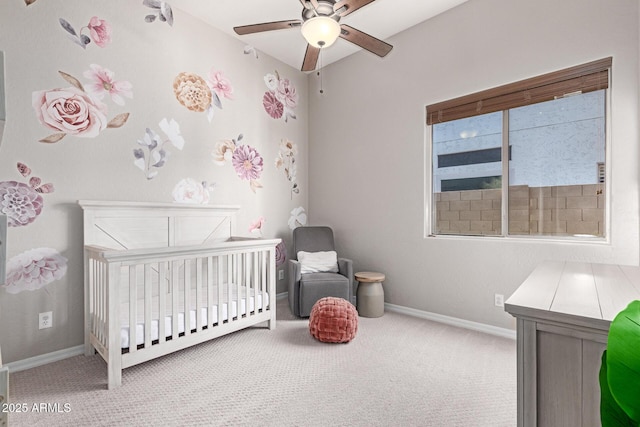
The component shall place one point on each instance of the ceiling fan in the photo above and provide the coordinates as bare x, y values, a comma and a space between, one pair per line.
320, 26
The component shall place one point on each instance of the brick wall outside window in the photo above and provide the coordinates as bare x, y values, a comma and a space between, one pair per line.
551, 211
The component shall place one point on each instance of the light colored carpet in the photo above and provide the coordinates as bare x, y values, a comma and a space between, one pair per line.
398, 371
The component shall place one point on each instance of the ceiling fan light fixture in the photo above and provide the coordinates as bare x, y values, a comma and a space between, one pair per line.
321, 31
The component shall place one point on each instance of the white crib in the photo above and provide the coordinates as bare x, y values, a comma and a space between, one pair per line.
161, 277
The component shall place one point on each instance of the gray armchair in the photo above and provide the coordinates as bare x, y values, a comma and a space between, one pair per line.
306, 289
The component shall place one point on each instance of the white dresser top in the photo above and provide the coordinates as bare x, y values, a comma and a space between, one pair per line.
584, 294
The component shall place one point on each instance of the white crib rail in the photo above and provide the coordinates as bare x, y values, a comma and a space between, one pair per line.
168, 280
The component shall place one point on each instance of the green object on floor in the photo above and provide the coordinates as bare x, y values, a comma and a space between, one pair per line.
620, 370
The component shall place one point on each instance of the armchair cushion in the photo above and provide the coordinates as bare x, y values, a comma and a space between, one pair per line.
318, 262
314, 286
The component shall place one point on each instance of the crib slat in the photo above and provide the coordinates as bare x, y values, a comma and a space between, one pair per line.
239, 282
89, 295
248, 280
100, 308
187, 297
256, 280
198, 325
133, 309
210, 319
232, 263
162, 300
263, 276
220, 289
147, 305
112, 320
272, 288
175, 290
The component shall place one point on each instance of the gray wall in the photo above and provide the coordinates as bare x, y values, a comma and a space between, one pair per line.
367, 146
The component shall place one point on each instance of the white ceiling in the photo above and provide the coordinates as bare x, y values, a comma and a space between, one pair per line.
381, 19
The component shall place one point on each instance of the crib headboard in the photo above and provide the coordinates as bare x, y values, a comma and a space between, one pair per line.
142, 225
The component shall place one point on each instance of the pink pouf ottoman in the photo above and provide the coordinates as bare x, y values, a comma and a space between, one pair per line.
333, 320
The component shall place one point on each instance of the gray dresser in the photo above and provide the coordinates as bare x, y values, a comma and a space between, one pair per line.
563, 312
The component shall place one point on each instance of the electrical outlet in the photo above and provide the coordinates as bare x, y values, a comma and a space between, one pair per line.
280, 274
45, 320
498, 300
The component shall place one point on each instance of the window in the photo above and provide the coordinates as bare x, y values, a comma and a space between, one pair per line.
525, 159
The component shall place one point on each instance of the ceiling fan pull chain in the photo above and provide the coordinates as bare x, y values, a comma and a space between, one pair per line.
320, 61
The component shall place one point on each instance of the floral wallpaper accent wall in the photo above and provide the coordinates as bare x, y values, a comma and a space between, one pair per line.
80, 71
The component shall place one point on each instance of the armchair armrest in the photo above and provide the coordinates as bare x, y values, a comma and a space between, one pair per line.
293, 284
345, 267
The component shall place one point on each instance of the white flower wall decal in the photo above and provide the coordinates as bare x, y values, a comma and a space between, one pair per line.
34, 269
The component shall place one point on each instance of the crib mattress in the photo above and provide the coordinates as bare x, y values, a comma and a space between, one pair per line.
255, 303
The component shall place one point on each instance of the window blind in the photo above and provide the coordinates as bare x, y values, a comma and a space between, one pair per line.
581, 78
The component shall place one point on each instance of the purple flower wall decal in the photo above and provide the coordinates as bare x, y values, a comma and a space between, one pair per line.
247, 162
272, 106
245, 159
281, 254
34, 269
20, 203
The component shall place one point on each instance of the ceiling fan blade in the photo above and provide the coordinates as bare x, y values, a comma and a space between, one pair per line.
310, 58
351, 5
315, 4
365, 41
267, 26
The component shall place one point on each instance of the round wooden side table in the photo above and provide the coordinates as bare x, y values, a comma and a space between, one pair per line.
370, 293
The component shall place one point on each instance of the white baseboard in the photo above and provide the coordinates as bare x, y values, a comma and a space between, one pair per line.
453, 321
43, 359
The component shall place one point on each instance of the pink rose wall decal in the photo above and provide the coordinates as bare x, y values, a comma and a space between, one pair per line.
76, 111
